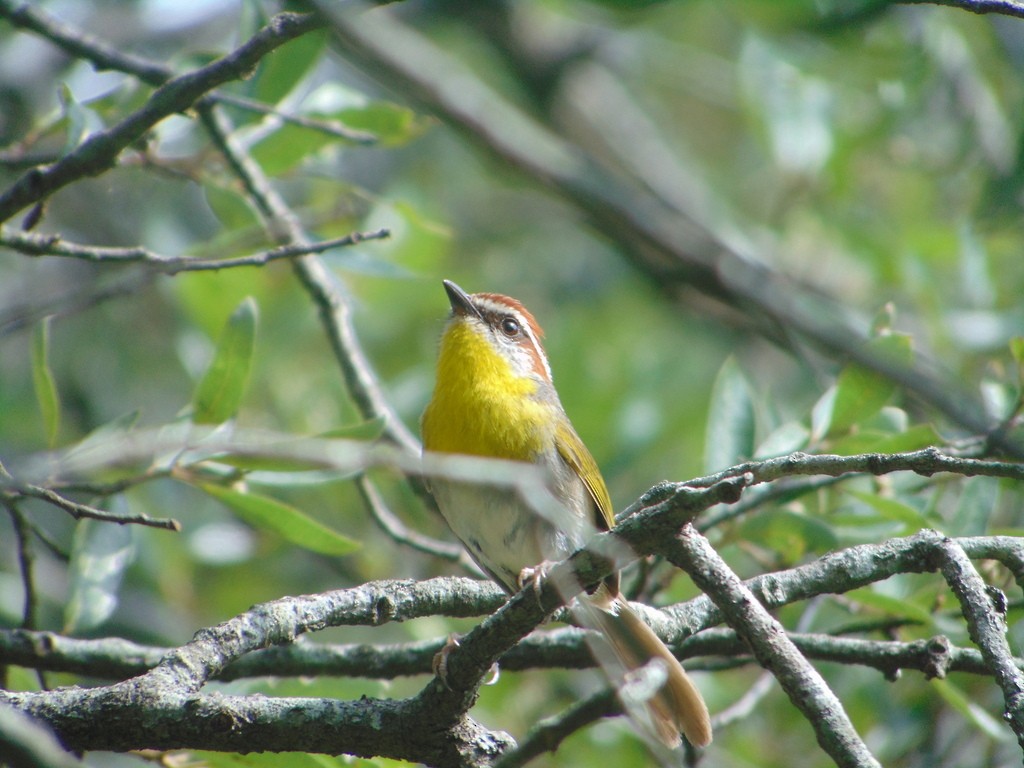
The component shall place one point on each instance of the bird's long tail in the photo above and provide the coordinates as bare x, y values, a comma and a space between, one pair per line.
678, 707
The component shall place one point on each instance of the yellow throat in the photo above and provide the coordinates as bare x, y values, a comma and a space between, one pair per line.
481, 406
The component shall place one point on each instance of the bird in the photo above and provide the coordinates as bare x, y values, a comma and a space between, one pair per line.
494, 397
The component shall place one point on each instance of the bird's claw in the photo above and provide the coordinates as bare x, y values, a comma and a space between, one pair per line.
440, 663
534, 577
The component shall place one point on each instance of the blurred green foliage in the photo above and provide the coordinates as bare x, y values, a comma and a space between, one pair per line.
874, 155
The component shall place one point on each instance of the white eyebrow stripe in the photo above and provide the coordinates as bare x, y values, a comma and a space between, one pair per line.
489, 305
536, 346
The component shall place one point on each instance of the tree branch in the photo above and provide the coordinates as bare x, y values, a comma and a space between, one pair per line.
113, 658
987, 628
81, 45
99, 151
54, 245
806, 689
213, 651
1005, 7
666, 244
335, 312
549, 733
11, 489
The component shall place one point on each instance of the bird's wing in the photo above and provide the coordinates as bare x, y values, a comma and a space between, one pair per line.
573, 451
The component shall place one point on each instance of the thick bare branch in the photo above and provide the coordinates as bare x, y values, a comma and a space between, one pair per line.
986, 624
767, 640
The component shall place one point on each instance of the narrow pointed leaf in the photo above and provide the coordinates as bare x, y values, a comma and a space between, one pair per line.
43, 382
963, 703
860, 392
887, 604
891, 509
219, 394
288, 522
367, 430
100, 553
730, 431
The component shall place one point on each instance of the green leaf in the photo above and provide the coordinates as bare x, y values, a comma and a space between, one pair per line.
104, 433
288, 146
791, 436
274, 457
790, 533
892, 606
873, 441
291, 524
75, 115
281, 71
392, 124
367, 430
1017, 351
729, 438
965, 705
100, 553
230, 208
860, 392
821, 414
220, 392
301, 479
269, 463
43, 382
891, 509
271, 760
978, 500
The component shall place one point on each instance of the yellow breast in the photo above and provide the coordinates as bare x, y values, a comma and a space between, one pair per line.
480, 407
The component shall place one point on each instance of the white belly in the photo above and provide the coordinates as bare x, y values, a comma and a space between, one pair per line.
501, 533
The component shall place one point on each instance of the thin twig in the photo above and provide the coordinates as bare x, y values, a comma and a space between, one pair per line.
323, 287
403, 535
20, 317
745, 705
82, 45
53, 245
26, 559
330, 127
927, 462
548, 734
78, 511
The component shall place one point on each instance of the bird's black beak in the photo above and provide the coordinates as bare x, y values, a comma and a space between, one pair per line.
460, 301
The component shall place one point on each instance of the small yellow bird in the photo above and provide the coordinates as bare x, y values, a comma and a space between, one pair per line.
494, 397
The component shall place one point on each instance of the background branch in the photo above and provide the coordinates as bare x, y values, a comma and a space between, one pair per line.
99, 151
667, 245
53, 245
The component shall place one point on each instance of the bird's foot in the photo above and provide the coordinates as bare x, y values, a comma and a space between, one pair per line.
534, 577
440, 663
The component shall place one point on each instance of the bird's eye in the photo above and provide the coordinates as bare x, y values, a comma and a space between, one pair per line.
510, 326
